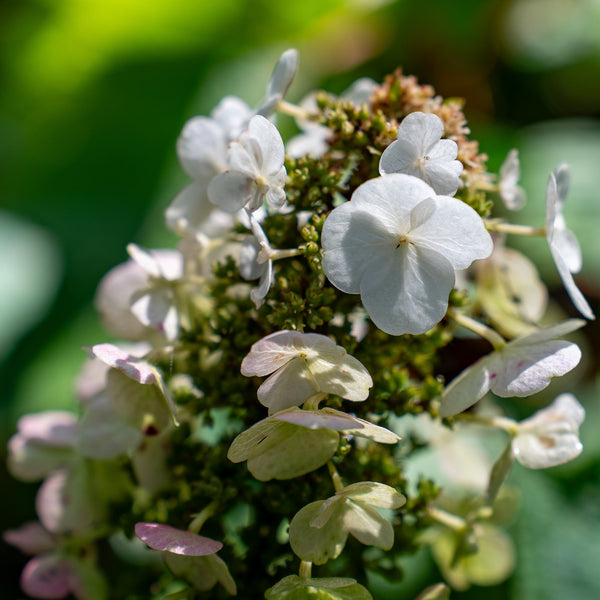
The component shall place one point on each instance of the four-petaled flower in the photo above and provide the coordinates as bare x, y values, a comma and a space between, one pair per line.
255, 170
550, 437
522, 367
303, 364
397, 244
420, 151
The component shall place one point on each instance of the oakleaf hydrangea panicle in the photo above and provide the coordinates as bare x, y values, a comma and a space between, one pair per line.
303, 364
255, 170
521, 368
550, 437
564, 246
397, 244
420, 151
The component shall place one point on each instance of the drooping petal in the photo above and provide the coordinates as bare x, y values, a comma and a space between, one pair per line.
466, 389
177, 541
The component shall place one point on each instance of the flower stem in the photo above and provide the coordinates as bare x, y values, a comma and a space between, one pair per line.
454, 522
512, 228
305, 569
508, 425
202, 517
335, 477
487, 333
295, 111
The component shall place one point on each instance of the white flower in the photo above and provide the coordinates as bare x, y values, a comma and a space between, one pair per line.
256, 171
420, 151
397, 244
202, 148
550, 437
511, 194
522, 367
564, 246
303, 364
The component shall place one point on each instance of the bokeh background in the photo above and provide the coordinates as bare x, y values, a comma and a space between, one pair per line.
93, 94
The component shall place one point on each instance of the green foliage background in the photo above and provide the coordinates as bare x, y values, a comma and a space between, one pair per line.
93, 94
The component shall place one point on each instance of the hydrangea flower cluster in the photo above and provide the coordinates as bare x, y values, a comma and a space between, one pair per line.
268, 415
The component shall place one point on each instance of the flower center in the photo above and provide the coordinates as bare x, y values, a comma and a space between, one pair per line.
403, 239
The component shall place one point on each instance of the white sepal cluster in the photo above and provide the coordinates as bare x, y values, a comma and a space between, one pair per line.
255, 170
522, 367
300, 365
550, 437
397, 244
421, 151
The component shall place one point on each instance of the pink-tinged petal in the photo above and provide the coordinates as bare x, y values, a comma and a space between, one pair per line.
169, 539
47, 577
527, 370
56, 428
63, 503
115, 357
272, 352
334, 421
231, 190
201, 148
30, 538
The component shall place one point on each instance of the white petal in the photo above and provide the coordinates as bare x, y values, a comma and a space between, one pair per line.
399, 156
360, 91
466, 389
271, 144
525, 370
115, 357
201, 148
145, 260
232, 114
289, 386
190, 209
454, 230
230, 191
375, 494
422, 129
407, 292
281, 79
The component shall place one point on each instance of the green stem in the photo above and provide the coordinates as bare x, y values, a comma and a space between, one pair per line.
335, 477
487, 333
295, 111
305, 569
454, 522
512, 228
508, 425
203, 516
